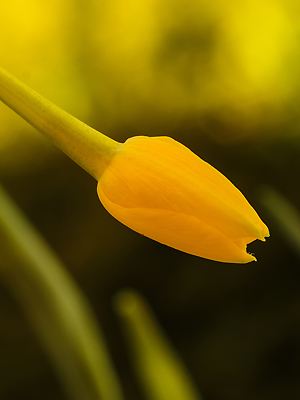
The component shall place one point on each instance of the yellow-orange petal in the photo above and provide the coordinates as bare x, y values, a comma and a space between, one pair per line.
161, 189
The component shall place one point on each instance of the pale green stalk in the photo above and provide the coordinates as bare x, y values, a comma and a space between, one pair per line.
87, 147
160, 370
285, 214
57, 309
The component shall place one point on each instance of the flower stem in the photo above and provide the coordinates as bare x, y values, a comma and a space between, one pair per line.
87, 147
58, 311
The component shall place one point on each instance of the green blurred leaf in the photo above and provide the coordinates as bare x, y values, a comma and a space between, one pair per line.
157, 365
285, 214
58, 311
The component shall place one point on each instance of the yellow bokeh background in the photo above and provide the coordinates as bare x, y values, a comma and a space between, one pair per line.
151, 65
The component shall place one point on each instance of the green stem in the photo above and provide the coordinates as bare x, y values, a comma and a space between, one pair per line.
58, 311
87, 147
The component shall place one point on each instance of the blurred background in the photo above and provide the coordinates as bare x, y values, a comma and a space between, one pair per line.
221, 77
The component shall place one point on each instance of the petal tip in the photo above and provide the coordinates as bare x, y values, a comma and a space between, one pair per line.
250, 258
264, 234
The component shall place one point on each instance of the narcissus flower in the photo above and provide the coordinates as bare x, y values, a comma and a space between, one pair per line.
161, 189
154, 185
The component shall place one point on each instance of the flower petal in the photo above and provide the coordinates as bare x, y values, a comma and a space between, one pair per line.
182, 232
160, 188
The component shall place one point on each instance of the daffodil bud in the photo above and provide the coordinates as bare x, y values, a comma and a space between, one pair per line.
161, 189
154, 185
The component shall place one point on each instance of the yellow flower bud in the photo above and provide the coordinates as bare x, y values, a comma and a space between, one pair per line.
156, 186
161, 189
